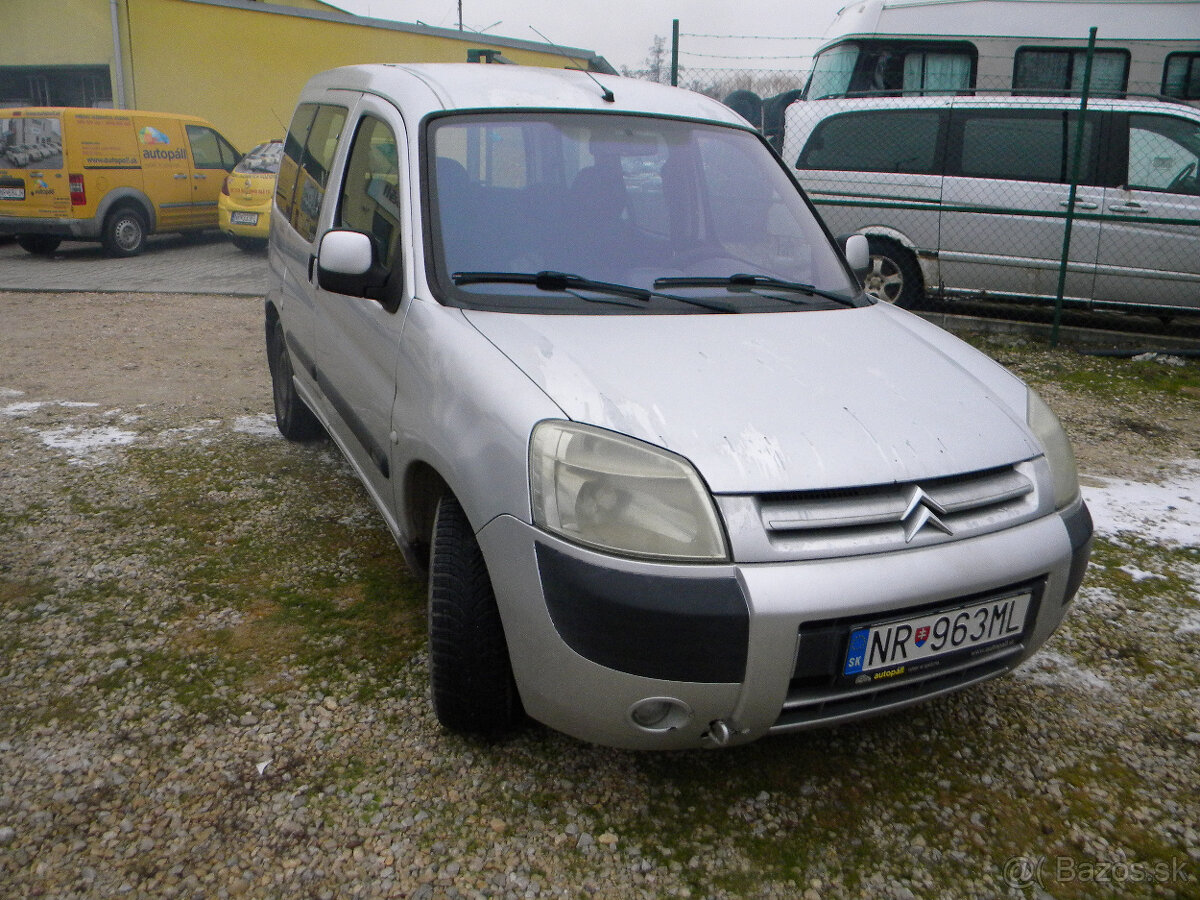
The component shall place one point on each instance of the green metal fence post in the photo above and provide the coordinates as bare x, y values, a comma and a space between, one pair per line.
675, 53
1075, 163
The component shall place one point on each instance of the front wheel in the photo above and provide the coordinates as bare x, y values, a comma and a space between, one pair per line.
470, 672
895, 276
125, 232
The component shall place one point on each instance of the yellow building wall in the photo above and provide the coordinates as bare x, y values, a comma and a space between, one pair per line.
240, 68
55, 32
243, 69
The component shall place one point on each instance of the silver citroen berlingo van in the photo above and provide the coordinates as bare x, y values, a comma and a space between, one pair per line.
674, 478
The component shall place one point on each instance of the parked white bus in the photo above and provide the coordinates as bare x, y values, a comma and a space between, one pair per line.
914, 47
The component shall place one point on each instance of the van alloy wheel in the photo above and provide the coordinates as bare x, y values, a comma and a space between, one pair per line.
894, 276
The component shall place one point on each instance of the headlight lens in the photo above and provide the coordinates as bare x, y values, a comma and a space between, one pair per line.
618, 494
1049, 432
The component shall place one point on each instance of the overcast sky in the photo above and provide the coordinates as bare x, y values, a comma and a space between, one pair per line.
623, 31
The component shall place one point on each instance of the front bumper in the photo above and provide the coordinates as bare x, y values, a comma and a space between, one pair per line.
735, 647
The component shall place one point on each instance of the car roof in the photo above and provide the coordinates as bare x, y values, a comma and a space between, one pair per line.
420, 89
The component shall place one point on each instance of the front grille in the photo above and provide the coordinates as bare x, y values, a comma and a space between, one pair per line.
879, 519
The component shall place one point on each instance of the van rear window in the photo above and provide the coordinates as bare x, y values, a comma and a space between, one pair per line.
900, 141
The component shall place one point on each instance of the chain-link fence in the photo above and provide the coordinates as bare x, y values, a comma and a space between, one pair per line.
997, 203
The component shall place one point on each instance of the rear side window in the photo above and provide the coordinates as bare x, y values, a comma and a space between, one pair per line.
900, 141
1021, 146
293, 150
304, 171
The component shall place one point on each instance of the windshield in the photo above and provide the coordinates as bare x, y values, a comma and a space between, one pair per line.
832, 71
619, 200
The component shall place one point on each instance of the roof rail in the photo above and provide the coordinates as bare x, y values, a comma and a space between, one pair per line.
1005, 92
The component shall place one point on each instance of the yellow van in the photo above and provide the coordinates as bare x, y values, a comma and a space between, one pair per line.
107, 175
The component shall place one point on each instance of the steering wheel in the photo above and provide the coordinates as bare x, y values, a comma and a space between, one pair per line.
1184, 176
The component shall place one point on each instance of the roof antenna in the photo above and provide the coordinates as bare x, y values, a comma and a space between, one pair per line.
605, 93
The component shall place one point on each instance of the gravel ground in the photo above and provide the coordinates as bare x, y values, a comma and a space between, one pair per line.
212, 677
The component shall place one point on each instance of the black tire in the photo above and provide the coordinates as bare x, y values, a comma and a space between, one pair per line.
293, 418
38, 244
895, 276
124, 232
470, 672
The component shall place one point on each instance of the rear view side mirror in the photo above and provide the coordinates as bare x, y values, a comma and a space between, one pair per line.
858, 254
346, 264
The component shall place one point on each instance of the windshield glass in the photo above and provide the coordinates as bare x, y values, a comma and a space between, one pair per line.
624, 200
832, 71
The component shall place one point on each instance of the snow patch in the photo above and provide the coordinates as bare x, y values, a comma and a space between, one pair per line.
1140, 574
1097, 597
1190, 624
85, 444
261, 425
21, 409
1167, 513
1048, 667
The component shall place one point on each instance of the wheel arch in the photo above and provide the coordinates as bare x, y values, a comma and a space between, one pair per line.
926, 259
127, 197
270, 316
423, 487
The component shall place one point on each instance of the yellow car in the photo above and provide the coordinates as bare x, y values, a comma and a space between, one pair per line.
245, 202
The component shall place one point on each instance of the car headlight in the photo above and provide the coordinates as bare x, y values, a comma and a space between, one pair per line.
618, 494
1049, 432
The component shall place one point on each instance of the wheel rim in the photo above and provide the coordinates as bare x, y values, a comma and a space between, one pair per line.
885, 280
128, 233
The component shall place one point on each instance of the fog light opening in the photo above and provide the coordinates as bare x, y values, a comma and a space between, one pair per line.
658, 714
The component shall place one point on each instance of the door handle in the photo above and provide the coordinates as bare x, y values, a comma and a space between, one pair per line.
199, 175
1080, 204
1131, 207
178, 177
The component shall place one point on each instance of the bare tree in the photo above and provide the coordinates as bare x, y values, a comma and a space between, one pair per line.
656, 66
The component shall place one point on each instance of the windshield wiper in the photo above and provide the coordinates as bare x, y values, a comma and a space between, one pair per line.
748, 282
572, 284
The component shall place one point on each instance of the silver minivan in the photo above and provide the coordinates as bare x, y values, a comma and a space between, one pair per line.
968, 196
675, 479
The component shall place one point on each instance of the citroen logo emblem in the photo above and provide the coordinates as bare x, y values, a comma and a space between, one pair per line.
922, 511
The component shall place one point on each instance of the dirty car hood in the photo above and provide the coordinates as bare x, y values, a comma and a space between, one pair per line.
780, 401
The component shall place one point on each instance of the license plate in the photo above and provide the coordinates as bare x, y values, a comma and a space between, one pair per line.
243, 218
12, 193
904, 646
